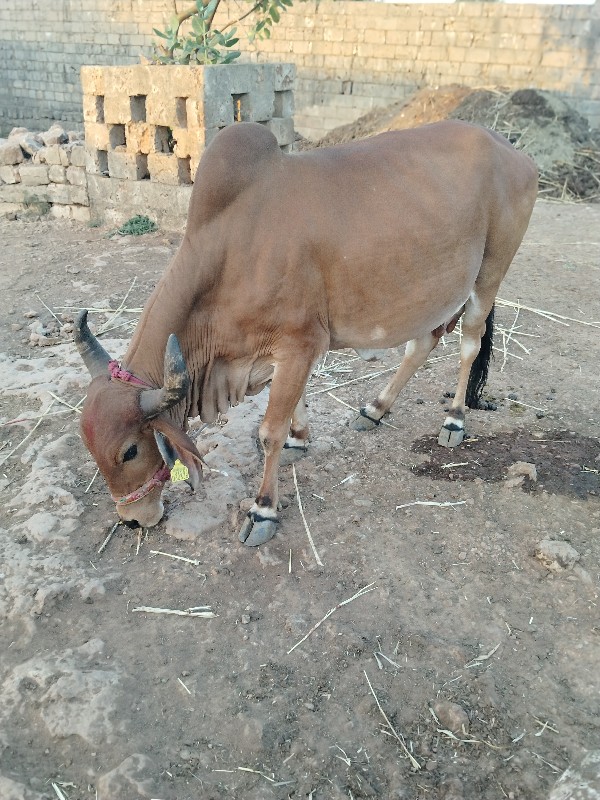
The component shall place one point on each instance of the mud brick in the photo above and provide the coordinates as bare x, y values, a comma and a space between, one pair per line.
164, 168
90, 108
126, 166
188, 143
34, 174
93, 80
140, 137
117, 109
161, 109
76, 176
194, 107
96, 135
57, 174
283, 129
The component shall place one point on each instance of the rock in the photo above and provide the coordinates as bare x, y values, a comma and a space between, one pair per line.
556, 556
10, 153
452, 717
11, 790
131, 780
579, 783
9, 174
17, 132
30, 144
54, 135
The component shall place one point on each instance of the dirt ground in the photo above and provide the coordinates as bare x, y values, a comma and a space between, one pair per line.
468, 669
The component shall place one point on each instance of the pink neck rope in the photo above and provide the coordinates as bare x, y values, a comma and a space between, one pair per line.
162, 475
118, 374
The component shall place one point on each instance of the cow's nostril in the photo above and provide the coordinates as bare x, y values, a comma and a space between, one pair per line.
132, 523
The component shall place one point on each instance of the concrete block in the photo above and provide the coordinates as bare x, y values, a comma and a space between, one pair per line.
57, 174
76, 176
164, 168
34, 174
283, 129
127, 166
9, 174
10, 153
284, 76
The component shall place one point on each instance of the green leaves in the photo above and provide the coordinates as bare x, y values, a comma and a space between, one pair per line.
203, 44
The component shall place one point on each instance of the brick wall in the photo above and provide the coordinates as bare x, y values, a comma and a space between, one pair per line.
350, 56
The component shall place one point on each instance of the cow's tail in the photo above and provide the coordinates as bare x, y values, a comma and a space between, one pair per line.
479, 369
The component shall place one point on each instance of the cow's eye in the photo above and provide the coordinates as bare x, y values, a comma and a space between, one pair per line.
130, 453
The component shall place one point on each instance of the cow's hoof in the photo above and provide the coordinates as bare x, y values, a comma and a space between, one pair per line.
451, 437
364, 422
291, 453
257, 531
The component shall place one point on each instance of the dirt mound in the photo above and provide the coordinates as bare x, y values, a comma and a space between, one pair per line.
556, 136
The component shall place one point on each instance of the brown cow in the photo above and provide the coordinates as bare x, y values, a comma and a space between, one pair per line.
365, 245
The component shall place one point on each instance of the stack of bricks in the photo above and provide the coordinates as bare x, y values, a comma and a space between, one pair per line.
44, 173
152, 122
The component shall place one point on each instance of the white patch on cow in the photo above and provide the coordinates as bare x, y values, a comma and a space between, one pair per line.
292, 441
469, 348
372, 412
378, 334
457, 423
264, 511
411, 348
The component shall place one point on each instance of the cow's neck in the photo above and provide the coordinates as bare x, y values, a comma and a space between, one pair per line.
170, 309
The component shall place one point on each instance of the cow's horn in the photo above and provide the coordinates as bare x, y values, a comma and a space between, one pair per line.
176, 381
91, 351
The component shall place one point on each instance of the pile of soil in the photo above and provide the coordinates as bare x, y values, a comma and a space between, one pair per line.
558, 138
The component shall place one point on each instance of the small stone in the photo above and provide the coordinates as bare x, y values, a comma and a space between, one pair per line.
524, 469
246, 504
556, 555
54, 135
452, 717
30, 314
512, 396
245, 619
10, 153
540, 414
419, 401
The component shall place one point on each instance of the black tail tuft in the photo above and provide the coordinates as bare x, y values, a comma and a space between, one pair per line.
479, 368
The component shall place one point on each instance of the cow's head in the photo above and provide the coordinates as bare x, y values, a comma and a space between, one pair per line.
125, 428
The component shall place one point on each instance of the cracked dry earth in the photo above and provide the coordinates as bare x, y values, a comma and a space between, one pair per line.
481, 656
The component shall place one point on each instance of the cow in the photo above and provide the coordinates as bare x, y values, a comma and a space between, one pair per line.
369, 244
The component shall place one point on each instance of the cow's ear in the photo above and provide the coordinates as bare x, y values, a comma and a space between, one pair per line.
174, 443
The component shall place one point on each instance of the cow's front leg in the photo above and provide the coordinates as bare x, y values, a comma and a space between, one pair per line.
287, 388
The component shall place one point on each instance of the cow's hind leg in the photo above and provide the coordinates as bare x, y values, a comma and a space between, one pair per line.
475, 354
415, 355
296, 443
287, 388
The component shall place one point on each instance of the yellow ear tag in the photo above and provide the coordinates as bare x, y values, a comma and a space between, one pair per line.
179, 472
